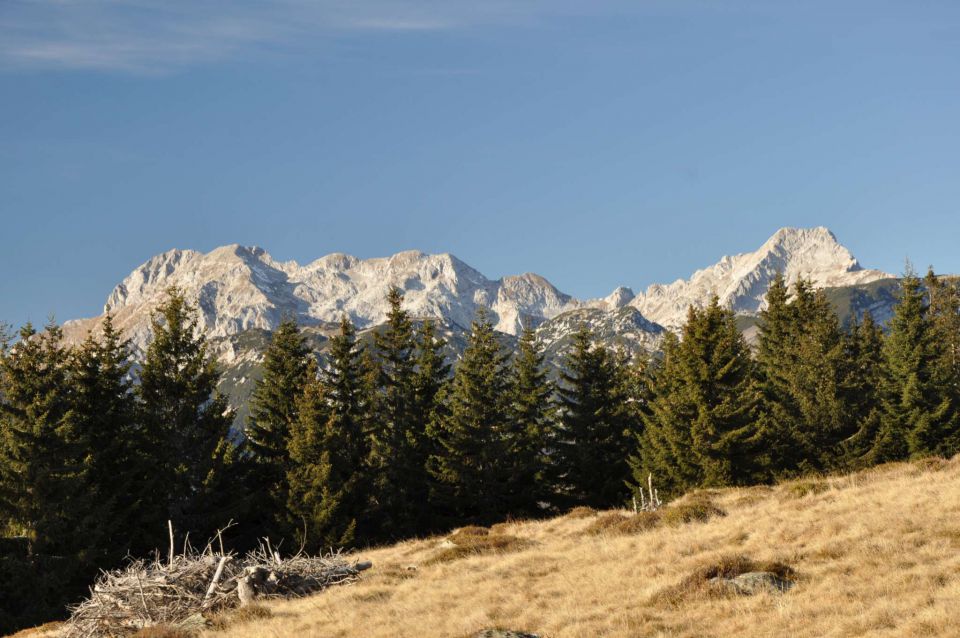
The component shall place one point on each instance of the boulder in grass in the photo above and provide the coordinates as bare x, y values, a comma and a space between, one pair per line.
752, 583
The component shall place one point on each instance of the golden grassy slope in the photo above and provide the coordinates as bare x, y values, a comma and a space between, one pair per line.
876, 553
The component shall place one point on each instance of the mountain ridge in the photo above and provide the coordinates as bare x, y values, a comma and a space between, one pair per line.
238, 288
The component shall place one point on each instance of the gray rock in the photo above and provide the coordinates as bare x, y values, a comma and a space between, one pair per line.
753, 583
503, 633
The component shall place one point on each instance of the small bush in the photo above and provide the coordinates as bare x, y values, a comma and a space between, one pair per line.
803, 488
931, 464
465, 534
697, 584
466, 546
581, 512
616, 523
695, 510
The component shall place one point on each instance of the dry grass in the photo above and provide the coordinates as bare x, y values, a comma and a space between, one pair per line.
877, 555
581, 512
697, 584
164, 631
240, 615
474, 541
697, 508
41, 631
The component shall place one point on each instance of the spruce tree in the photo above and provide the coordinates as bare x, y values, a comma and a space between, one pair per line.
944, 313
431, 379
103, 407
396, 459
45, 504
863, 391
328, 449
273, 411
592, 443
186, 424
531, 427
700, 427
471, 467
804, 370
919, 410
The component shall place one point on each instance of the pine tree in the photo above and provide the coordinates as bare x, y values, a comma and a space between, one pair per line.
471, 466
186, 424
863, 391
103, 408
43, 470
664, 444
328, 449
700, 427
44, 501
944, 314
919, 412
273, 411
592, 442
531, 427
396, 459
431, 379
804, 367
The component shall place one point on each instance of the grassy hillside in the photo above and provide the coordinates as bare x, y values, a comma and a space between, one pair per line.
873, 554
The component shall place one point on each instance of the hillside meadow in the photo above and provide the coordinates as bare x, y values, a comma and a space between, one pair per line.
875, 553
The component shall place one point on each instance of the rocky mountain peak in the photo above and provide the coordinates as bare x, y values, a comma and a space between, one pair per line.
741, 281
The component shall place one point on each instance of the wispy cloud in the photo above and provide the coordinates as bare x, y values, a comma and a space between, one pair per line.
164, 35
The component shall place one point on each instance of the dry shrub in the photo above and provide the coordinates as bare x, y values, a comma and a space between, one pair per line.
616, 523
502, 528
694, 510
466, 534
697, 584
931, 464
804, 488
475, 545
581, 512
164, 631
228, 618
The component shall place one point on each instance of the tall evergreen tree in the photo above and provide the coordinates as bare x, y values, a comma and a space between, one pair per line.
531, 427
103, 408
186, 423
273, 411
804, 369
46, 510
593, 441
471, 465
944, 313
863, 391
396, 461
43, 473
919, 410
328, 449
431, 379
700, 427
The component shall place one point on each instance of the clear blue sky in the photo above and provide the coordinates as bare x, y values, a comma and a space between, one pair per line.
596, 143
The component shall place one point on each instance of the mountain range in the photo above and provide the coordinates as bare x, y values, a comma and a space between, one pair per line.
242, 293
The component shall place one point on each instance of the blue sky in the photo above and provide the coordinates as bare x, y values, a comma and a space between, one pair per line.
596, 143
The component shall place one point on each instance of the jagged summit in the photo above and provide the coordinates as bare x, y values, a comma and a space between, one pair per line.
238, 288
741, 281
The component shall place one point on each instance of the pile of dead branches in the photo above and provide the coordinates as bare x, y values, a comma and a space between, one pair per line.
186, 589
